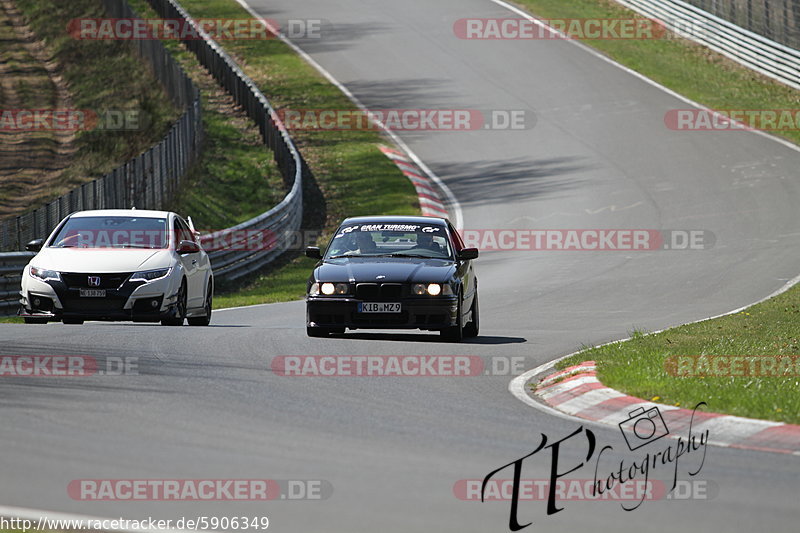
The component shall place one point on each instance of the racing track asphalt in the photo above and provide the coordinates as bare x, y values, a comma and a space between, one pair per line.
206, 404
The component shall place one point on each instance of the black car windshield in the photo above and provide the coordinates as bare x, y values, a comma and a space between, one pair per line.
390, 240
112, 232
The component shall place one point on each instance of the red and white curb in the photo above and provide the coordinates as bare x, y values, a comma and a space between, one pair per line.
576, 391
429, 199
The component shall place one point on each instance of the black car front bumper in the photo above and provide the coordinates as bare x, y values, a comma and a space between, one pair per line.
434, 313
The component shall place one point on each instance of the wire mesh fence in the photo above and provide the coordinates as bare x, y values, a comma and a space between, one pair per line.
147, 181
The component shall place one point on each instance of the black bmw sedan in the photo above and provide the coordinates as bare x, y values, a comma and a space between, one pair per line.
392, 272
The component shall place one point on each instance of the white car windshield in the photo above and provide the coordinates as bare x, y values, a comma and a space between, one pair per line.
390, 240
112, 232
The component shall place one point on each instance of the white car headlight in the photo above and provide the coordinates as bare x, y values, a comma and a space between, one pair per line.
151, 275
329, 289
44, 274
433, 289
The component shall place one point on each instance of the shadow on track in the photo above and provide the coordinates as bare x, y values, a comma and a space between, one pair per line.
428, 338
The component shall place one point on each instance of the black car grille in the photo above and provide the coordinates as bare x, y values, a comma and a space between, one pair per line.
107, 281
366, 291
93, 305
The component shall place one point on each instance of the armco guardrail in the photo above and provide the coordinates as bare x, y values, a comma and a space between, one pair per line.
285, 217
147, 181
743, 46
11, 265
778, 20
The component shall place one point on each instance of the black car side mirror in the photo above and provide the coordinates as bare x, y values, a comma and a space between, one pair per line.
188, 247
468, 253
35, 245
313, 252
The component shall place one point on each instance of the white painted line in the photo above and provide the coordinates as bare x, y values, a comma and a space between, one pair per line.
451, 199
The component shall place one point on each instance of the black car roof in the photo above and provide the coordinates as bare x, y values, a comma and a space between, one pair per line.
396, 220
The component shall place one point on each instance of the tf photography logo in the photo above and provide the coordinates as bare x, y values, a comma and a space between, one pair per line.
642, 428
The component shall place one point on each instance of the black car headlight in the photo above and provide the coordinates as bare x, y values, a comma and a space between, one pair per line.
44, 274
432, 289
151, 275
329, 289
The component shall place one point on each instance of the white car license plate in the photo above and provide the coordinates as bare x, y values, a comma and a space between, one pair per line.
368, 307
92, 293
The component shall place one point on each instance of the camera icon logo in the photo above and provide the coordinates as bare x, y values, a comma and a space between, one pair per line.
643, 427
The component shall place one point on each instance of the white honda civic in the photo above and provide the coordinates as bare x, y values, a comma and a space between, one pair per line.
144, 266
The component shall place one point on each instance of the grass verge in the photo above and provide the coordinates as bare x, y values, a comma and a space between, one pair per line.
236, 177
637, 367
350, 175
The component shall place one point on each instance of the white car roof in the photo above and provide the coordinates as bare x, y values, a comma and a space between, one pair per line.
141, 213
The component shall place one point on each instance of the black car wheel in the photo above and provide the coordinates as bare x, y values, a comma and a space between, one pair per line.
76, 321
474, 324
180, 309
31, 320
204, 320
455, 333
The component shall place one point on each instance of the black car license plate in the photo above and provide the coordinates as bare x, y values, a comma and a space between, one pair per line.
373, 307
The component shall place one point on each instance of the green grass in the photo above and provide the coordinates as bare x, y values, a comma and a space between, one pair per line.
351, 176
102, 75
637, 367
236, 177
283, 284
689, 69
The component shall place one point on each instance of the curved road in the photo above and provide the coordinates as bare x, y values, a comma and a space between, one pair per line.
206, 404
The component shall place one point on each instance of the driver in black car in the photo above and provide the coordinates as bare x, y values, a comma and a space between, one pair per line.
363, 244
425, 242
